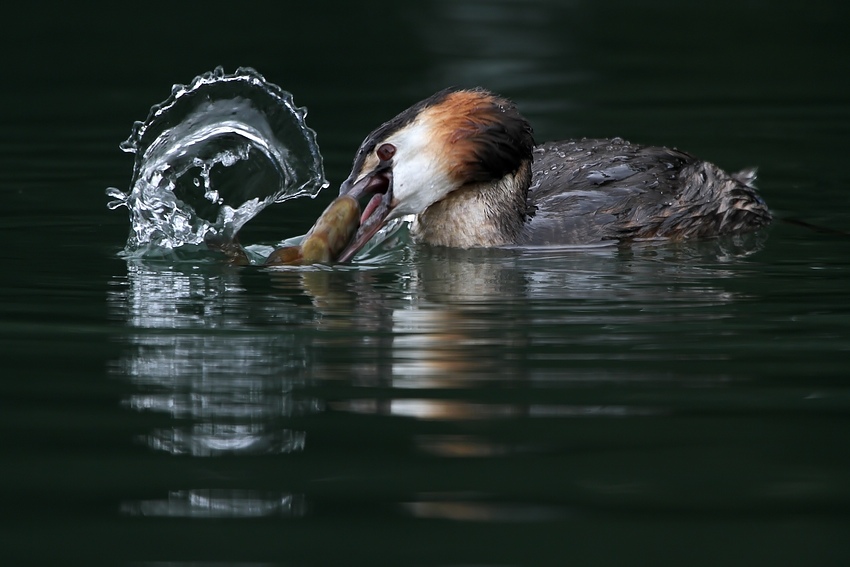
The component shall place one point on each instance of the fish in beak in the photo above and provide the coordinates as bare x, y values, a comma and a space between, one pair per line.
376, 190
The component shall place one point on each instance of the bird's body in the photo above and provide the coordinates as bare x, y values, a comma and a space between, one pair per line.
465, 164
592, 190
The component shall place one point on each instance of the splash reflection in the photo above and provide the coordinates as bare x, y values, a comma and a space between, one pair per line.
219, 504
196, 355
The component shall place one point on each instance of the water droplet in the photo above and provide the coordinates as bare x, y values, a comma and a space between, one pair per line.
119, 198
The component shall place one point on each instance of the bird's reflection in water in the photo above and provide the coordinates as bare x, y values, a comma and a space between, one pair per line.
472, 339
481, 511
476, 341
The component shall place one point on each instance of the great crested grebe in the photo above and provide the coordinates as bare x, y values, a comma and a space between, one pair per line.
464, 162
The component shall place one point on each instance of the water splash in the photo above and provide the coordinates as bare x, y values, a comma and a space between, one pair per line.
211, 157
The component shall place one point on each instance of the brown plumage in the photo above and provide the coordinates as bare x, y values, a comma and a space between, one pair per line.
485, 137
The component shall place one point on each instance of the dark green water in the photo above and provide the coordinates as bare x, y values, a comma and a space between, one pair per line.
666, 405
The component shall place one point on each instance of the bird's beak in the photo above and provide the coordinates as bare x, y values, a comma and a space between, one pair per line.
377, 187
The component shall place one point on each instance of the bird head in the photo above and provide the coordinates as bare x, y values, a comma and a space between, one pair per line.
446, 142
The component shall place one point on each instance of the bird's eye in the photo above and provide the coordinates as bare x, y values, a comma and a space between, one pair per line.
385, 152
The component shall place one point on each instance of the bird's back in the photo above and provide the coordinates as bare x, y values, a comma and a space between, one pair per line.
593, 190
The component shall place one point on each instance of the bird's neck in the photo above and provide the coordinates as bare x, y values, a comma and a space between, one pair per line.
482, 214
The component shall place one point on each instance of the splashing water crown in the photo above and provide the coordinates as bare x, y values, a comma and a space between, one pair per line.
212, 156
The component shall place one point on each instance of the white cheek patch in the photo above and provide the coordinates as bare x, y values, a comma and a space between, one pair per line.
420, 177
418, 182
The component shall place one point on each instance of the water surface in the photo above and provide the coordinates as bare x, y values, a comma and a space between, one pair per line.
680, 404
